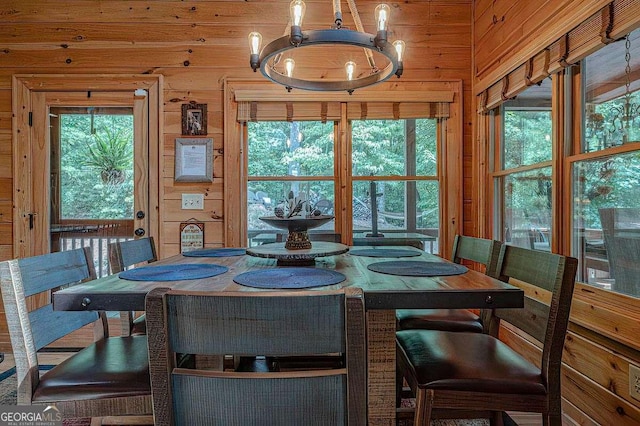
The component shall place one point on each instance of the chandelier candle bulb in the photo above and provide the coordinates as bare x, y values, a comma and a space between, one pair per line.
382, 13
255, 41
289, 65
350, 67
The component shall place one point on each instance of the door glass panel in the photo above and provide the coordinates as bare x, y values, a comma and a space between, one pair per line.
92, 182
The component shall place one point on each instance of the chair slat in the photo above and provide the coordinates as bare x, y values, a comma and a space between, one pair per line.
532, 319
201, 400
42, 273
532, 266
256, 325
49, 325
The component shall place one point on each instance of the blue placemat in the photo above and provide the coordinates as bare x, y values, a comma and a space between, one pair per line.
289, 277
418, 268
173, 272
384, 252
216, 252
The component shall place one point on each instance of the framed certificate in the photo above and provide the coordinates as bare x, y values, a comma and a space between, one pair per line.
194, 160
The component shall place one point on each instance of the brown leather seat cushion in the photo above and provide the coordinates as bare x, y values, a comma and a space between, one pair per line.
467, 361
113, 367
439, 319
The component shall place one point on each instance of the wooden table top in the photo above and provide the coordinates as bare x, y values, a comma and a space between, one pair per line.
381, 291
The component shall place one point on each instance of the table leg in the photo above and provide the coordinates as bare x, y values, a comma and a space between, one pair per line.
381, 372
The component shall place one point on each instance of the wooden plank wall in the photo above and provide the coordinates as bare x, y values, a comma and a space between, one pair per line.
603, 338
195, 45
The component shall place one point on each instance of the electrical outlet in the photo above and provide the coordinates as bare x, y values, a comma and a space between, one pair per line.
634, 381
192, 202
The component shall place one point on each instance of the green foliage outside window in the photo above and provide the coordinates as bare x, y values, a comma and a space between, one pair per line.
96, 180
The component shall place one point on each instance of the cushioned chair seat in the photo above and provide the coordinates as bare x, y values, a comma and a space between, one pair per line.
110, 368
439, 319
468, 362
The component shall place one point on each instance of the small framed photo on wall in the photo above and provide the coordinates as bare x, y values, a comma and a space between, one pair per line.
194, 119
194, 160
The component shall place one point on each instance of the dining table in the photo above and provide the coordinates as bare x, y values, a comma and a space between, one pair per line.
383, 293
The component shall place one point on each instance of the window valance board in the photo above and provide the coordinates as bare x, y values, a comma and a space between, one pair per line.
262, 106
609, 24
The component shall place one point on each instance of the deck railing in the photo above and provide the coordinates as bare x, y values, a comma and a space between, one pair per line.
94, 234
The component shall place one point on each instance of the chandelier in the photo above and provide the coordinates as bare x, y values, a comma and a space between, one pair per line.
626, 114
269, 59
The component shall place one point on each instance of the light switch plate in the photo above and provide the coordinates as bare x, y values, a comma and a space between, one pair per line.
192, 202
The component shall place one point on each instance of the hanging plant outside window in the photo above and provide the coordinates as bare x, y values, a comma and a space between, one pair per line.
111, 153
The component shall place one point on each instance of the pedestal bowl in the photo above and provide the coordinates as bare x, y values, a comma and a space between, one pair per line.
298, 238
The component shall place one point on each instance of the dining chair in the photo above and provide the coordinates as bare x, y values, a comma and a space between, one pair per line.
249, 324
123, 255
473, 249
462, 375
110, 377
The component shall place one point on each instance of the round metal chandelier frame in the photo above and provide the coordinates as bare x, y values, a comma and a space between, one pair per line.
339, 36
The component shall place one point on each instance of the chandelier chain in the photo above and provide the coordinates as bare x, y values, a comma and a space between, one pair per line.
627, 70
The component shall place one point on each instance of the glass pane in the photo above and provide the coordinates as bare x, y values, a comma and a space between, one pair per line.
612, 103
402, 207
263, 197
96, 166
606, 221
527, 209
527, 137
409, 147
281, 148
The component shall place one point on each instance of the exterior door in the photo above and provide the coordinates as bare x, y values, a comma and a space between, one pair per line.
37, 104
104, 139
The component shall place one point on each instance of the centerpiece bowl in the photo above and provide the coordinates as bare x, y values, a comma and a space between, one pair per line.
298, 238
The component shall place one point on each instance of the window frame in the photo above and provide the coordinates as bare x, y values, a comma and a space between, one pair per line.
235, 148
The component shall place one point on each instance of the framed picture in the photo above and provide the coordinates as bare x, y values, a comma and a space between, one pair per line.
194, 119
194, 160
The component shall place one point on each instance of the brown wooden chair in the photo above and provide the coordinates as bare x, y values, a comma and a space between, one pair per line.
249, 324
472, 374
477, 250
123, 255
108, 378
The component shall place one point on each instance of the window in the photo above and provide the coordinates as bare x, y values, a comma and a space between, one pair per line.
523, 178
398, 160
605, 170
285, 157
96, 163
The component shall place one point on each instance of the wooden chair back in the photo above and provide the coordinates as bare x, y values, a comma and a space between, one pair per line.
480, 250
123, 254
32, 330
250, 324
545, 322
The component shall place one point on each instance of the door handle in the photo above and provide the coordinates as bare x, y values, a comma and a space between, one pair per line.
140, 214
139, 232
